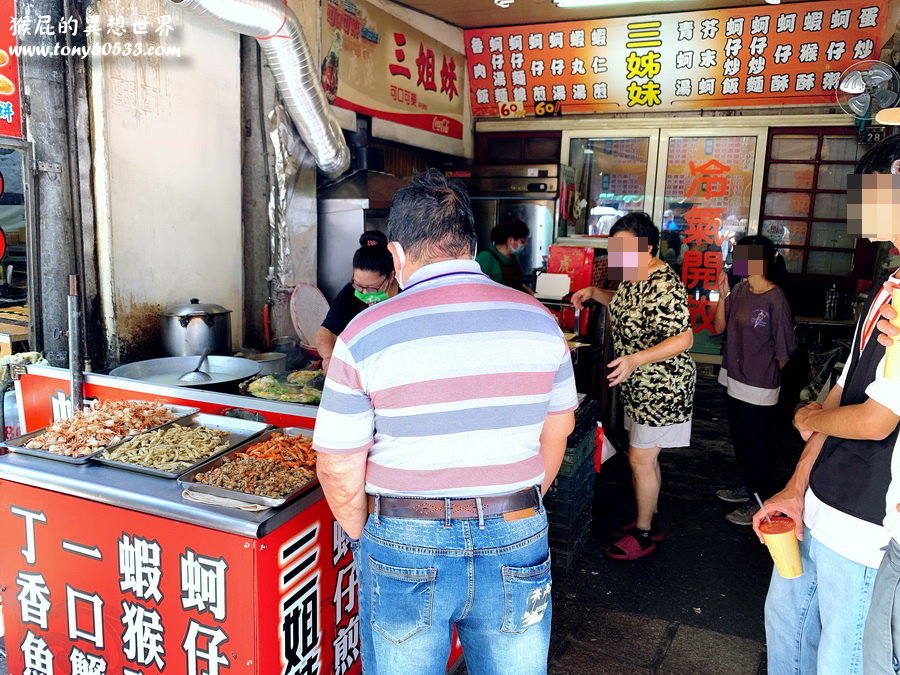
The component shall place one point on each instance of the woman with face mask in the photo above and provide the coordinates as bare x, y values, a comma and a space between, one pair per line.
756, 320
372, 282
499, 261
651, 332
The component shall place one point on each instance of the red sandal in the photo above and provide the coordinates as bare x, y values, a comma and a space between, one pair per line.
658, 537
629, 548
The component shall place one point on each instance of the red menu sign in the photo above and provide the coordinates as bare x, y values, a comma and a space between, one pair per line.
724, 58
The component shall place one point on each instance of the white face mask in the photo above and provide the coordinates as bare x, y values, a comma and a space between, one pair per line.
398, 247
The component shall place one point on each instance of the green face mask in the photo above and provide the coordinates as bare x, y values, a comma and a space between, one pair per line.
371, 298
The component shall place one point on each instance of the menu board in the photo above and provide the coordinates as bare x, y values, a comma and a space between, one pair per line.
751, 56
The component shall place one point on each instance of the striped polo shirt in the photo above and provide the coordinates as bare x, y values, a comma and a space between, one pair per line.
446, 386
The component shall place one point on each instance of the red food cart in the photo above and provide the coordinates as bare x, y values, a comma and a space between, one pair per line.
104, 570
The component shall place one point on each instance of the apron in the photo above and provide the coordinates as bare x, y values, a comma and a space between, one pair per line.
512, 272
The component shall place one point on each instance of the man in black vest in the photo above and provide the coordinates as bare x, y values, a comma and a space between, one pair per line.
837, 495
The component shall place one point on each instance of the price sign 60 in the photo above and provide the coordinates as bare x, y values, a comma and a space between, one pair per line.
547, 108
511, 109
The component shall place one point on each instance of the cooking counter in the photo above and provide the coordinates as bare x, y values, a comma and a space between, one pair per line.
43, 395
117, 566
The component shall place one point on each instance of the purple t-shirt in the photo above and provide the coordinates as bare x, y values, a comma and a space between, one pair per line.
759, 333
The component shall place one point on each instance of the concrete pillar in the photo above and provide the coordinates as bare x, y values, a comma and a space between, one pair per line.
47, 123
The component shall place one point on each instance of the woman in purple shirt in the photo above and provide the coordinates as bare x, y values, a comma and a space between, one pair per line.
759, 340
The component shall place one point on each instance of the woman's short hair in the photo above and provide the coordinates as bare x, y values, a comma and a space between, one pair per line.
513, 227
372, 254
640, 225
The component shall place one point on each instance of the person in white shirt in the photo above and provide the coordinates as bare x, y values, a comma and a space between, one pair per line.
837, 495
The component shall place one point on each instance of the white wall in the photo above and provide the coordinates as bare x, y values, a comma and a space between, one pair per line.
167, 174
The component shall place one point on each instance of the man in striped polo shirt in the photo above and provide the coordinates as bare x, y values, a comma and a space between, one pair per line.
444, 418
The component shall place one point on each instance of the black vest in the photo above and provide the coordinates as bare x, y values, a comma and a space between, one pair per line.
853, 475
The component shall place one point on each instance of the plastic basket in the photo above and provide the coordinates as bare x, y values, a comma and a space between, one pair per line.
567, 488
576, 454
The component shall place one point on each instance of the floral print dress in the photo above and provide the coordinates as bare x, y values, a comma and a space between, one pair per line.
643, 314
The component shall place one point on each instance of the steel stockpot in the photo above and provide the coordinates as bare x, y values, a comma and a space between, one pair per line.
189, 329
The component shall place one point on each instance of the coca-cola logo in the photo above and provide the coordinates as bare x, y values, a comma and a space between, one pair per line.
440, 125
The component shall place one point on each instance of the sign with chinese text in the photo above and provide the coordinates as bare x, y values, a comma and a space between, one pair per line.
378, 66
760, 56
95, 589
10, 93
707, 191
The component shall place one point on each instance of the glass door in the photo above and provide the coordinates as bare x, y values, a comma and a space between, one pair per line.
614, 174
707, 203
701, 187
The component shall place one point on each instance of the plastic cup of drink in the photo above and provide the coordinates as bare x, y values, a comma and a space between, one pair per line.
778, 533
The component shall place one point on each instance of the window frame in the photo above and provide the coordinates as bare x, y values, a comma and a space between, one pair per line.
806, 248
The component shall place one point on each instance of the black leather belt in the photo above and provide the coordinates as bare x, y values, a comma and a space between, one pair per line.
515, 505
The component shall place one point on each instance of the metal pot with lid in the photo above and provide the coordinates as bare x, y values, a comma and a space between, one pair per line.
189, 329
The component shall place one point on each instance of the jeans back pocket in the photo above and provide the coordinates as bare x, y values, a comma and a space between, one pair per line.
401, 599
526, 596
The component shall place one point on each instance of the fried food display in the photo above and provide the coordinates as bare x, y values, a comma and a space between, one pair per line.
275, 467
173, 449
102, 425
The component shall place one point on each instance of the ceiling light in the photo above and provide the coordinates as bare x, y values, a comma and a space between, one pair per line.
503, 3
593, 3
774, 2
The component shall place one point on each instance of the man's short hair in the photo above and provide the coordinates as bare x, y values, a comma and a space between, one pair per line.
432, 218
880, 156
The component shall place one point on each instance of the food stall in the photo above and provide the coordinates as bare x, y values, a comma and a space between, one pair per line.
111, 570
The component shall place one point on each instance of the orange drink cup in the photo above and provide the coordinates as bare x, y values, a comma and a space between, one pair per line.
892, 353
783, 546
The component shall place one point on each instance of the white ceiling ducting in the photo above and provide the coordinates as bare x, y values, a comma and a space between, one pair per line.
281, 39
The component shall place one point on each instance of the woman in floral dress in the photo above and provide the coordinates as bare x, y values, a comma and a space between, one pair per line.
652, 334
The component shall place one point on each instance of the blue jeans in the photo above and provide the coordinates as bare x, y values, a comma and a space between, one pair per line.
417, 578
881, 644
814, 623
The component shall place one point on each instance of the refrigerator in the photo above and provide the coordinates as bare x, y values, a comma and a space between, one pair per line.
354, 204
538, 194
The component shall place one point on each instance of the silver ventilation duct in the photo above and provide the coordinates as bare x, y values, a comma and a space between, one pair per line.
281, 38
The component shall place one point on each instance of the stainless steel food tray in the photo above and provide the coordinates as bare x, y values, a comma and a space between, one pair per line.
239, 431
188, 483
18, 444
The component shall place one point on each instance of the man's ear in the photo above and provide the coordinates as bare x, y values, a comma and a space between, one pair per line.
396, 258
895, 166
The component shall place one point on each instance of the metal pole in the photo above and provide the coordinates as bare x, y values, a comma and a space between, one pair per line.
75, 356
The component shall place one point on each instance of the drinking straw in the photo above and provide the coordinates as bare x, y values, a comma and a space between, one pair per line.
766, 513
